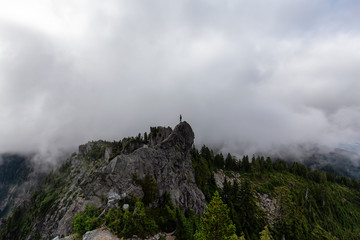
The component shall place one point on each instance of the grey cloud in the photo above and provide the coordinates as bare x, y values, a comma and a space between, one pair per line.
248, 76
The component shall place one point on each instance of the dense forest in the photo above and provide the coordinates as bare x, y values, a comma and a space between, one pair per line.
312, 204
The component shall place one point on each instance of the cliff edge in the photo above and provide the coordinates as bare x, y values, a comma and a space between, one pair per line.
105, 174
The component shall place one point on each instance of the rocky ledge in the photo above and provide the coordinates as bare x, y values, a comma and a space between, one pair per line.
169, 162
107, 181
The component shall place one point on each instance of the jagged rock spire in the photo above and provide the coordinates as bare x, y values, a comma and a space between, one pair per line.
182, 136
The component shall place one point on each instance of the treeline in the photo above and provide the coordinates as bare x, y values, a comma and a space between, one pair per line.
205, 162
124, 146
312, 204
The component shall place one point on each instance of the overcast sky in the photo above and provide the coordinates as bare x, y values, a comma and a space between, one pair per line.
247, 75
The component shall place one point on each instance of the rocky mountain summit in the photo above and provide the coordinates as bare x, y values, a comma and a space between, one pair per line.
145, 187
106, 174
169, 162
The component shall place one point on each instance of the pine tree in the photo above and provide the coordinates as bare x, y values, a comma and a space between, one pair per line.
138, 223
246, 164
184, 228
216, 223
150, 188
265, 234
145, 137
250, 214
255, 166
219, 161
229, 162
268, 164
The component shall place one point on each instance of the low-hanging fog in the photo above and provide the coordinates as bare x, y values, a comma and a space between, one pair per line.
248, 76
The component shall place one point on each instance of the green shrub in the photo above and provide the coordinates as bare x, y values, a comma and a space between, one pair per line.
129, 223
87, 220
149, 187
165, 216
185, 228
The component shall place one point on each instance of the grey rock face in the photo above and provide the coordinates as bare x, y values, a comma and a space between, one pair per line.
107, 155
270, 206
182, 137
113, 199
220, 177
131, 146
169, 162
159, 134
106, 183
86, 148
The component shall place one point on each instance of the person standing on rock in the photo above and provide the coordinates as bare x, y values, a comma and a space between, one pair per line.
180, 117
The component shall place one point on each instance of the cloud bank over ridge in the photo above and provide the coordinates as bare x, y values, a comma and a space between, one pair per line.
247, 75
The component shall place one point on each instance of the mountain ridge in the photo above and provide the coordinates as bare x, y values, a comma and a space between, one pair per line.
163, 181
101, 175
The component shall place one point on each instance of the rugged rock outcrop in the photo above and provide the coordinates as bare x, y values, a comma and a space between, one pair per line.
270, 206
107, 180
169, 162
219, 177
159, 134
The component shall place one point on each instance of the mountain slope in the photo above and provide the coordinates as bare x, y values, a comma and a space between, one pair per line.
16, 181
156, 182
102, 174
339, 161
294, 202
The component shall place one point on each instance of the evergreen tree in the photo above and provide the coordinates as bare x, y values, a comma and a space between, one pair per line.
319, 233
86, 220
138, 223
208, 154
303, 171
231, 196
250, 215
293, 223
265, 234
280, 165
219, 161
165, 214
246, 164
268, 164
203, 176
230, 162
255, 166
145, 137
216, 223
150, 188
184, 228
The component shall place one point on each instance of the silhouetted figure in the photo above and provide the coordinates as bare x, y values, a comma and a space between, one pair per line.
180, 117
